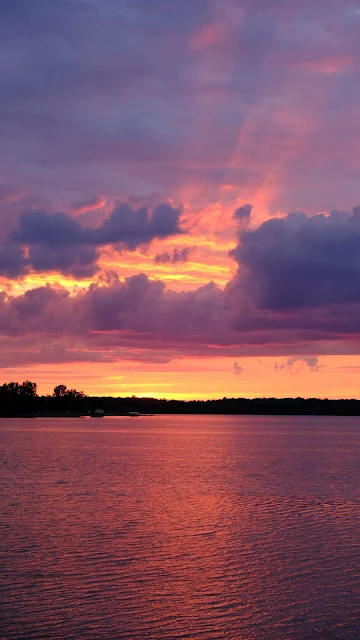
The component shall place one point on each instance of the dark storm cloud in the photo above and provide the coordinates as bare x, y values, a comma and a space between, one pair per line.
133, 227
13, 262
76, 261
301, 262
125, 225
58, 242
40, 227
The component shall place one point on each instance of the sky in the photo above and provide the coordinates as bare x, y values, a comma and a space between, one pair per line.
179, 197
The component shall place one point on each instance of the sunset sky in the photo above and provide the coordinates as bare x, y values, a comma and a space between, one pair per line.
179, 196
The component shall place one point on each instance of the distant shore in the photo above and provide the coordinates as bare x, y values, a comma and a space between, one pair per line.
138, 407
22, 401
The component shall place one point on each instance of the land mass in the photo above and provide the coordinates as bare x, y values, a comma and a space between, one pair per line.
22, 400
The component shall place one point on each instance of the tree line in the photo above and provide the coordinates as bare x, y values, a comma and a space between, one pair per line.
22, 399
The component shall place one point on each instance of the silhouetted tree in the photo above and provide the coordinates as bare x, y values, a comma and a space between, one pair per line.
10, 387
18, 399
60, 390
72, 393
28, 388
67, 400
21, 399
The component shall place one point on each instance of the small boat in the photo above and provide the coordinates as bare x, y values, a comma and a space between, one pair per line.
134, 414
98, 413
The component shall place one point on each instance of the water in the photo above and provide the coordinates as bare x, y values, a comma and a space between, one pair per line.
180, 527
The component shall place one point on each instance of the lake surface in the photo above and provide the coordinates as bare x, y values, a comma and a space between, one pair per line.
180, 527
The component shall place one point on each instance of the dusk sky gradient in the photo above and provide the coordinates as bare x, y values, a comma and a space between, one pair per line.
179, 196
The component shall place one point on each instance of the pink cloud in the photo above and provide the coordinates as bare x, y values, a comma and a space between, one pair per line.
90, 204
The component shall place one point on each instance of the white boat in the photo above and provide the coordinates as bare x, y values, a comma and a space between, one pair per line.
98, 413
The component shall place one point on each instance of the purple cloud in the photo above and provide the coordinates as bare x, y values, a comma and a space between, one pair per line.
244, 212
137, 306
58, 242
141, 313
133, 227
299, 261
297, 284
13, 262
110, 98
237, 369
310, 361
183, 97
42, 228
176, 256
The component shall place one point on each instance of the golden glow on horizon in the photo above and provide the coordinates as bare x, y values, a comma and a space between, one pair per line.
200, 378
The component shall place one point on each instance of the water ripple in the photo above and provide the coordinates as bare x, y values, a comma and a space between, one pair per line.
180, 527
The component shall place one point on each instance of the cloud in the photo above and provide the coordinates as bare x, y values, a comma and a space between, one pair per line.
296, 286
110, 98
192, 101
299, 261
76, 261
142, 305
312, 362
243, 212
42, 228
144, 318
13, 262
133, 227
136, 304
237, 369
58, 242
89, 204
176, 256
